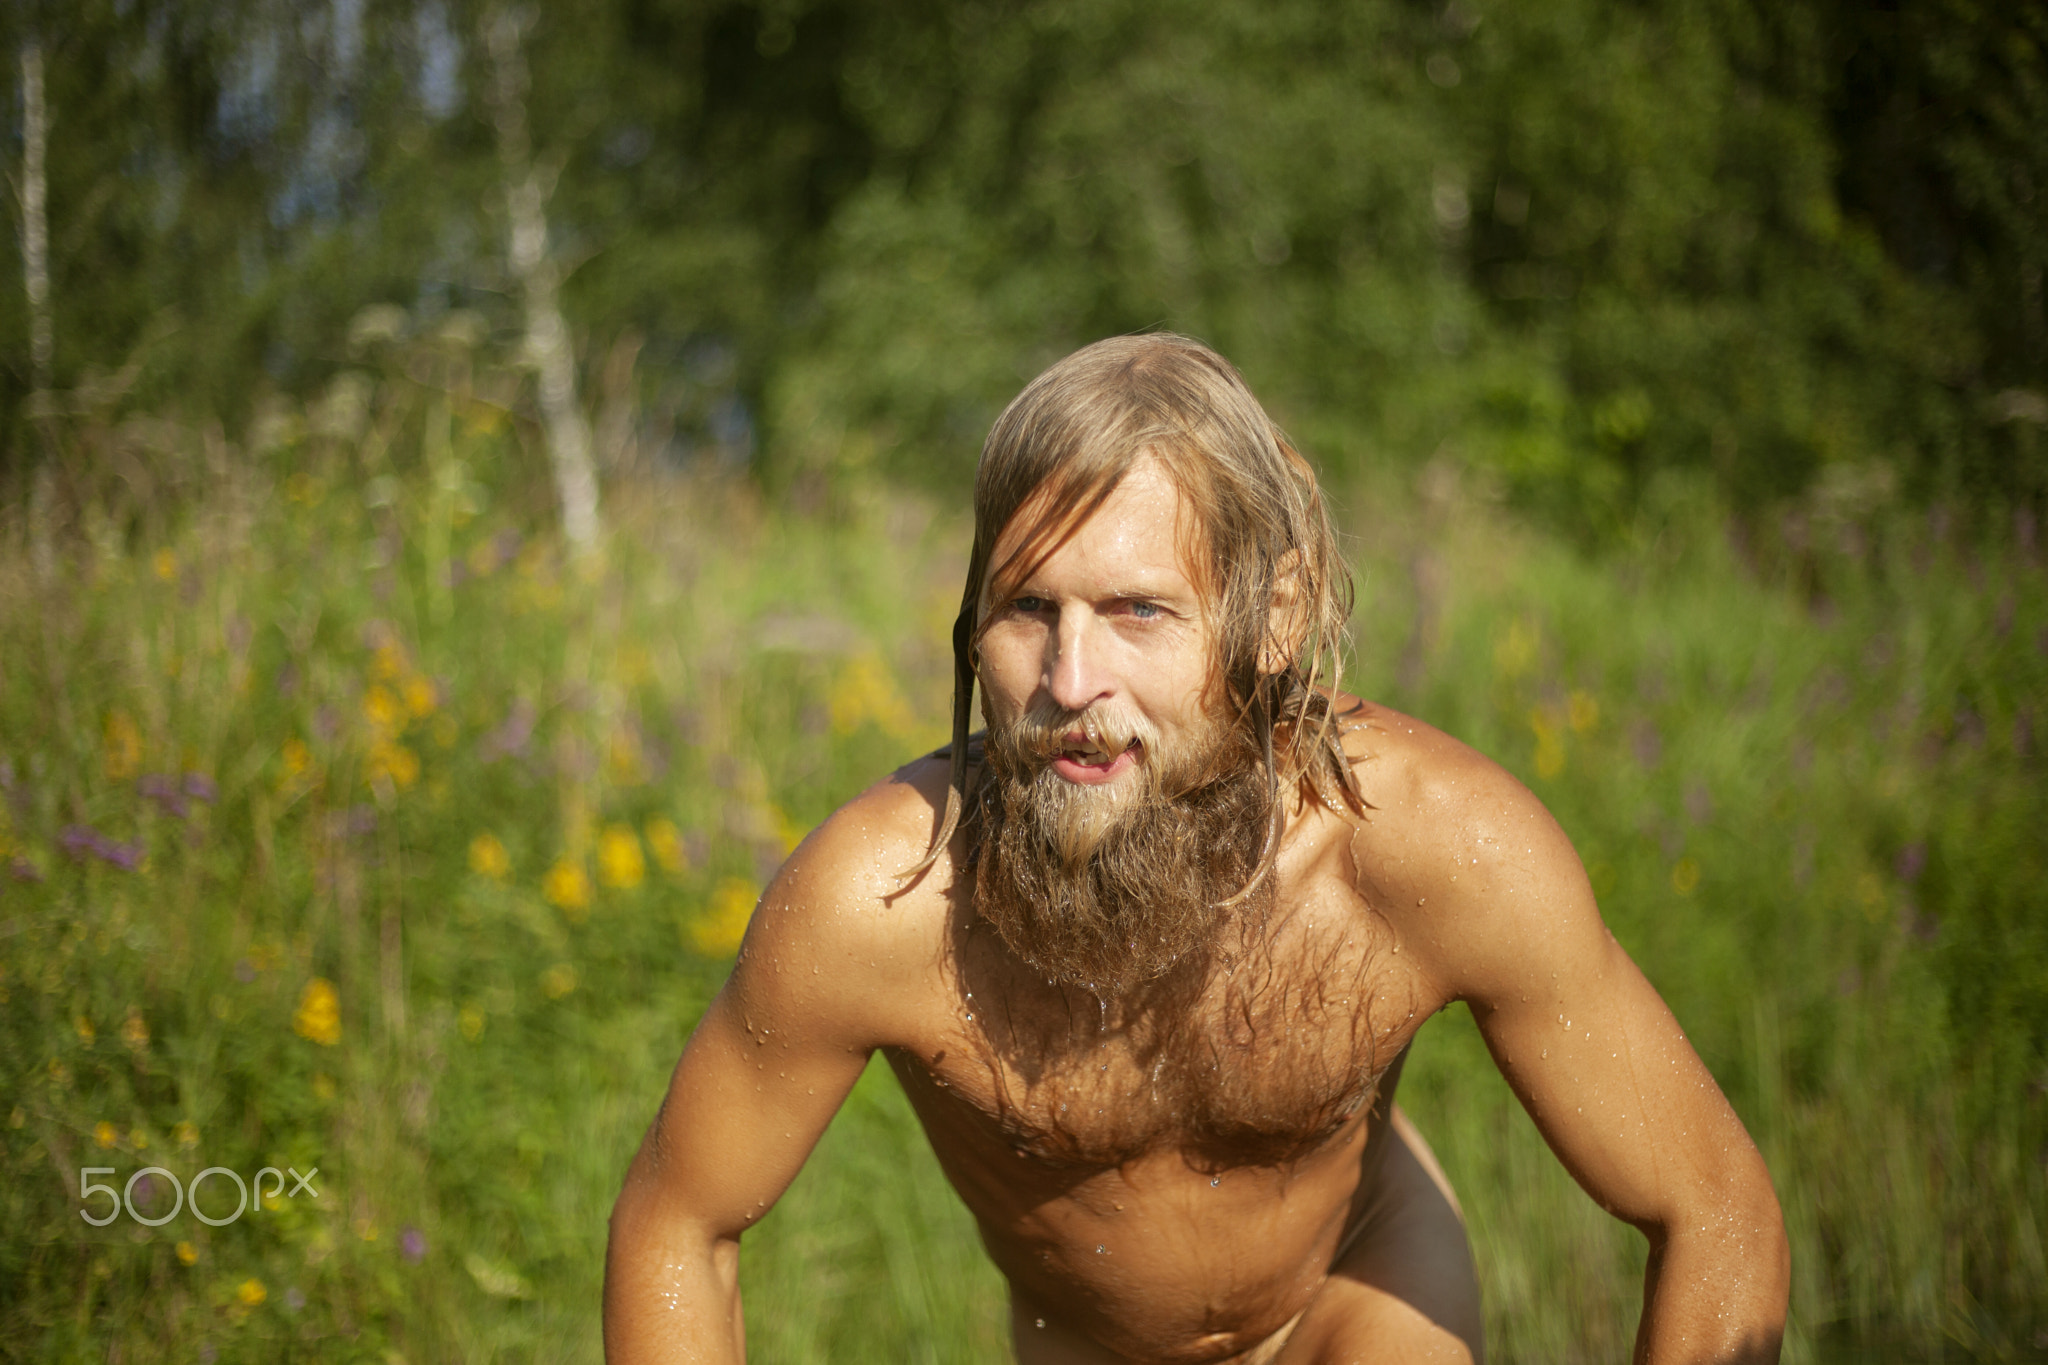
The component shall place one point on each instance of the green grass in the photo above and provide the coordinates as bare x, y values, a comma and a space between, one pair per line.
1804, 777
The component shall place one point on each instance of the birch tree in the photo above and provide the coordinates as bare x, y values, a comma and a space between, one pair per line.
548, 348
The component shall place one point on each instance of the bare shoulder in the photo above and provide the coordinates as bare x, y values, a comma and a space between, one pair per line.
1462, 858
841, 934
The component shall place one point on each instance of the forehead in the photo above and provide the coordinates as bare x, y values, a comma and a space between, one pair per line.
1139, 538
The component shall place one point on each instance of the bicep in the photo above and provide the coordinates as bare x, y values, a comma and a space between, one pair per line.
1586, 1042
750, 1097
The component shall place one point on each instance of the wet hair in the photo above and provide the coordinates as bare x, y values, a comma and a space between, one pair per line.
1064, 444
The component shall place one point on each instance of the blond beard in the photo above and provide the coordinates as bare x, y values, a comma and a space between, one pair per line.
1111, 886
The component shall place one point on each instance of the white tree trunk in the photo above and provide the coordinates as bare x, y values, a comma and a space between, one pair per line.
549, 349
35, 270
35, 227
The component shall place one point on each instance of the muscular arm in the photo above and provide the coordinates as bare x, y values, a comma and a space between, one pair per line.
1594, 1055
760, 1079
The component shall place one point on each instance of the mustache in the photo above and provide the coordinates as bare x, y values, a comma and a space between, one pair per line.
1046, 730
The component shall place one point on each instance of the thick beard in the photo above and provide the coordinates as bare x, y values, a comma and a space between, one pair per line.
1107, 887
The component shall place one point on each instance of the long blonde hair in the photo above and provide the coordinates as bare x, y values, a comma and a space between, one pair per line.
1067, 440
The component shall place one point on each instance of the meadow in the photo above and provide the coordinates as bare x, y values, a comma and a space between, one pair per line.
347, 821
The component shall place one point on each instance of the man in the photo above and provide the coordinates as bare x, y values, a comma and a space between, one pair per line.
1148, 958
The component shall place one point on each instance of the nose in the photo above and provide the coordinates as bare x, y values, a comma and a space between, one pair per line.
1075, 675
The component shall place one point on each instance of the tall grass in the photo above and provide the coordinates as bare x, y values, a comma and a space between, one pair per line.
349, 824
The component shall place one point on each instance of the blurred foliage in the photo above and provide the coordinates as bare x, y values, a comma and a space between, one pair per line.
1574, 246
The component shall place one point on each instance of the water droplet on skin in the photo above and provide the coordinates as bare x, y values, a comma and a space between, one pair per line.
1101, 1250
1041, 1324
1215, 1182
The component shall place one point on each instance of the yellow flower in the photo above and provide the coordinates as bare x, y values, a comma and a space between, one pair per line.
557, 981
138, 1139
165, 563
318, 1017
567, 887
384, 711
86, 1032
105, 1134
487, 857
250, 1293
1685, 875
1549, 743
718, 931
186, 1133
620, 863
420, 696
471, 1022
298, 759
393, 763
623, 763
1583, 711
123, 748
389, 661
134, 1031
187, 1253
1516, 649
666, 843
865, 692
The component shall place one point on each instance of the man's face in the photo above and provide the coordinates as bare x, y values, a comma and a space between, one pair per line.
1103, 654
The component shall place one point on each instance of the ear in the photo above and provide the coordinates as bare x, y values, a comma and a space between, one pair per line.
1286, 617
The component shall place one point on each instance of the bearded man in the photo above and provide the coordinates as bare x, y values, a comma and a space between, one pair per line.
1147, 957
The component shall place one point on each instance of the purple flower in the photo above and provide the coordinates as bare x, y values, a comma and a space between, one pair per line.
22, 870
245, 971
200, 787
126, 856
1911, 862
294, 1298
412, 1244
161, 790
512, 737
77, 841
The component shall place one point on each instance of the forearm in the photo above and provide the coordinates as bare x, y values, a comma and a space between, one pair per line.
671, 1288
1715, 1292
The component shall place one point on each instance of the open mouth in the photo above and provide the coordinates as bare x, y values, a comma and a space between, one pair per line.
1086, 759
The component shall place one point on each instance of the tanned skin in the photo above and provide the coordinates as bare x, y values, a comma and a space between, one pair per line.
1452, 884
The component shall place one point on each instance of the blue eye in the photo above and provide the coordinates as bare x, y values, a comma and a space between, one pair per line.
1144, 611
1030, 605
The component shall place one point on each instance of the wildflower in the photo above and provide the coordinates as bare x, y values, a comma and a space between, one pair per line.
567, 887
487, 857
471, 1022
22, 870
624, 763
1516, 650
318, 1017
138, 1138
1685, 875
160, 789
165, 563
134, 1030
250, 1293
105, 1134
392, 763
717, 932
412, 1244
865, 692
200, 787
389, 661
298, 759
294, 1298
383, 710
620, 863
187, 1253
121, 752
421, 696
86, 1032
666, 843
1582, 711
557, 981
60, 1075
1549, 743
186, 1133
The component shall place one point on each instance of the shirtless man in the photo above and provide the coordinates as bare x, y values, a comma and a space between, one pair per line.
1147, 958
